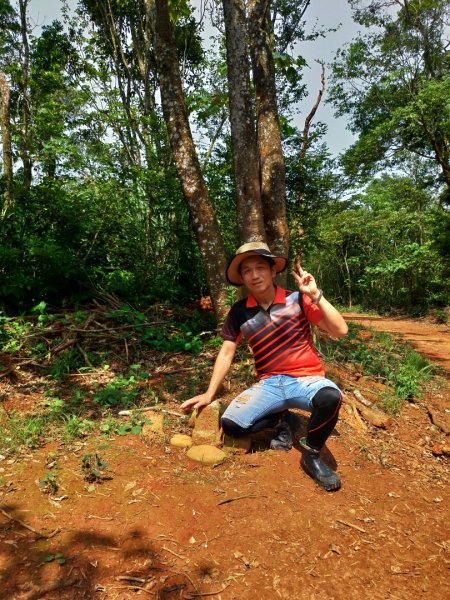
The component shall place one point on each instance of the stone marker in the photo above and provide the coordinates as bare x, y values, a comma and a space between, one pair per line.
208, 455
207, 425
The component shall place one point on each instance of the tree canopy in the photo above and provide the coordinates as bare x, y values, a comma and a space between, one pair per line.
137, 153
394, 84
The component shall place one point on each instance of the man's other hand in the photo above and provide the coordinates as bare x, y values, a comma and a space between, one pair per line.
196, 402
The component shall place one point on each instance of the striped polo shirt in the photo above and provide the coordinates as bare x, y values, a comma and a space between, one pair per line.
280, 337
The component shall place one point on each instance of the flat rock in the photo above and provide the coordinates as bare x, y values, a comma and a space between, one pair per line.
208, 455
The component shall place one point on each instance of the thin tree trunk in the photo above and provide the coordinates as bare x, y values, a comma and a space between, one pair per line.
243, 129
349, 279
271, 160
306, 128
6, 143
25, 141
186, 159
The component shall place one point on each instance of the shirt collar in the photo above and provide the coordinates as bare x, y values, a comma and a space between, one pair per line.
280, 298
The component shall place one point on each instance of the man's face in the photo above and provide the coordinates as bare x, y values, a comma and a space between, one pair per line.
257, 275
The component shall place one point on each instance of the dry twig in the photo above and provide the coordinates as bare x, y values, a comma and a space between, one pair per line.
39, 533
351, 525
227, 500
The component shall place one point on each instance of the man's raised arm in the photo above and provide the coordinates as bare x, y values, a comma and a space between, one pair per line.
332, 321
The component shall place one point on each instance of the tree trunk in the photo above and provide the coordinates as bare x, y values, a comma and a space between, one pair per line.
6, 142
25, 99
243, 130
186, 159
271, 160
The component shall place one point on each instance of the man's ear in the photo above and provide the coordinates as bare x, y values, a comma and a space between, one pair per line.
273, 270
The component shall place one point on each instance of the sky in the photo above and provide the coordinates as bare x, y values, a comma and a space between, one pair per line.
327, 14
324, 13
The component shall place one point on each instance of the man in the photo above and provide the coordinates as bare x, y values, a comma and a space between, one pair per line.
276, 324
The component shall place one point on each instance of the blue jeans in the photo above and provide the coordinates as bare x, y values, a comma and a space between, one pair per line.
273, 395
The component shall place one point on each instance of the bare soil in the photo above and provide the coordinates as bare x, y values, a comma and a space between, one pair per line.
253, 527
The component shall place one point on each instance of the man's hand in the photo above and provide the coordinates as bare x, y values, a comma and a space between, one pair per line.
305, 282
196, 402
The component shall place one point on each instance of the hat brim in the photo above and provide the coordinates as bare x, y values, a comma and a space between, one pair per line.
232, 273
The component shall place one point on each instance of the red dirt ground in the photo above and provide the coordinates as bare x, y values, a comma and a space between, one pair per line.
431, 340
253, 527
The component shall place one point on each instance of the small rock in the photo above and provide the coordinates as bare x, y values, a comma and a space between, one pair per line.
440, 449
181, 441
237, 445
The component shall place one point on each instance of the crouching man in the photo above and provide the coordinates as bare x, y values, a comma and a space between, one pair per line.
276, 324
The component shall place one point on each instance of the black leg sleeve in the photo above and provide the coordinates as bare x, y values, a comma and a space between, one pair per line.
324, 416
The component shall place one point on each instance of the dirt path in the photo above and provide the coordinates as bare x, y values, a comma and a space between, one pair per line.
431, 340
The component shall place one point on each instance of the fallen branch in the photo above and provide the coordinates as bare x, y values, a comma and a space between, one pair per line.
85, 356
63, 346
8, 371
366, 402
130, 578
127, 413
132, 587
172, 552
374, 417
359, 421
435, 419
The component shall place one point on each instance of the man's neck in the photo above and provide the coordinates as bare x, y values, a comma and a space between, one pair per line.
265, 300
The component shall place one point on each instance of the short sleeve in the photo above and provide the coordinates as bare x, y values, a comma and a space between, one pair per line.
231, 330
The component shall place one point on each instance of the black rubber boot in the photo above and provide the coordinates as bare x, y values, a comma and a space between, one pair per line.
283, 439
314, 466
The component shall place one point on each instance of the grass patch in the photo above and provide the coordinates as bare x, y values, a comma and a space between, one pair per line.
18, 430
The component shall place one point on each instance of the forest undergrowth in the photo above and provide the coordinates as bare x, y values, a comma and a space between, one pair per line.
88, 365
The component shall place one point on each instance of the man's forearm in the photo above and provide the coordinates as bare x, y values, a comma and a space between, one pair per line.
332, 320
221, 367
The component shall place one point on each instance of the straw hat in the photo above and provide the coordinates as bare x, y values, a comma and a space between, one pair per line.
247, 250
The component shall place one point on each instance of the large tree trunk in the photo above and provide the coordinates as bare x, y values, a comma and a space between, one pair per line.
6, 142
25, 99
186, 159
272, 168
243, 130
